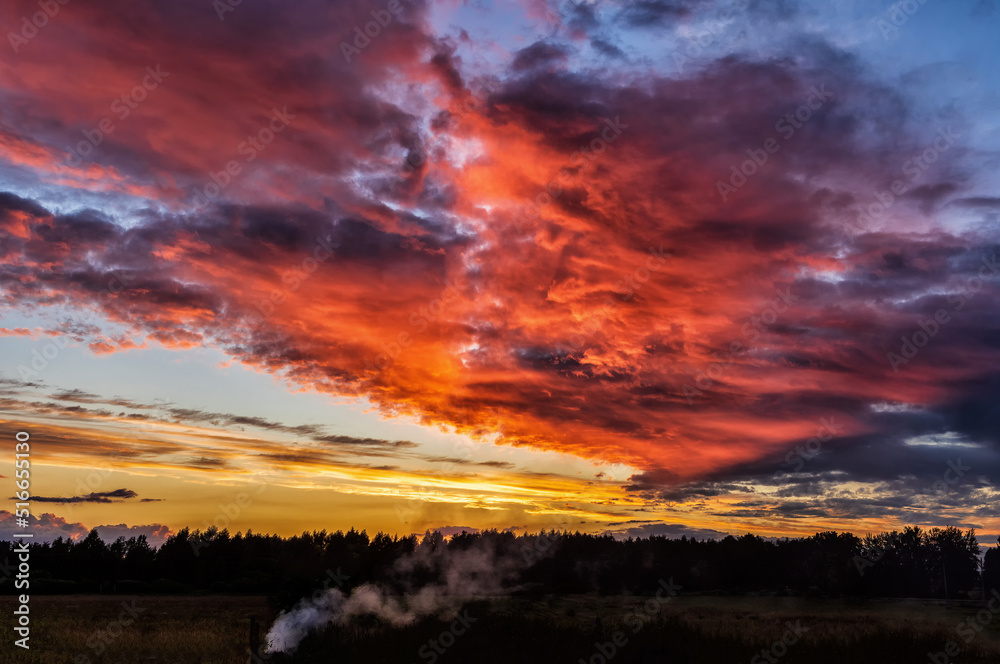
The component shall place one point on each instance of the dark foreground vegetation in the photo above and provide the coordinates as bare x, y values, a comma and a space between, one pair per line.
546, 598
939, 563
544, 630
716, 631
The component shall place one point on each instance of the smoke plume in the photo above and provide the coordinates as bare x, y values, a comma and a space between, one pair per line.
456, 577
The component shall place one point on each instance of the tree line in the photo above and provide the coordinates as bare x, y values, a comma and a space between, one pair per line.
935, 563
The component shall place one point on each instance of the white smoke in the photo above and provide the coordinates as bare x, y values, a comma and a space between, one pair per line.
460, 575
333, 607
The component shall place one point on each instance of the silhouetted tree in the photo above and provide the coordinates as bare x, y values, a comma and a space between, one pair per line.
912, 562
991, 569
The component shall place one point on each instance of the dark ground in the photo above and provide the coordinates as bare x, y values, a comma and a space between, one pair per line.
688, 629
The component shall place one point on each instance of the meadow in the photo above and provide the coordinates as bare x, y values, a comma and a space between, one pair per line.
687, 629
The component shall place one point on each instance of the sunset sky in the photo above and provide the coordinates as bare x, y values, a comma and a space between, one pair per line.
643, 267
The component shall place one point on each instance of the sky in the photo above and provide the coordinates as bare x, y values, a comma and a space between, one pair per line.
648, 267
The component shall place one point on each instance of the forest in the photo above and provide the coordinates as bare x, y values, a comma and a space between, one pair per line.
935, 563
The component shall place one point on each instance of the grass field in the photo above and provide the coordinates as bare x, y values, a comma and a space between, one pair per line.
77, 629
715, 630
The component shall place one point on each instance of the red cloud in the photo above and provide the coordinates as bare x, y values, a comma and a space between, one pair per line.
551, 261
